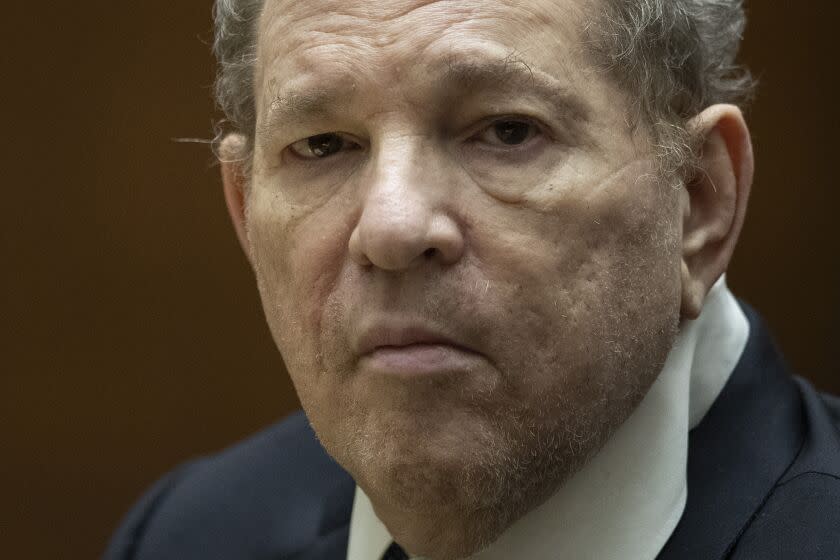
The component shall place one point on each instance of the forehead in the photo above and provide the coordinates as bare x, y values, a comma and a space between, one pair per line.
387, 39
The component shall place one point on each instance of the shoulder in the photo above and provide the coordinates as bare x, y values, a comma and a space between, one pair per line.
832, 405
800, 518
266, 496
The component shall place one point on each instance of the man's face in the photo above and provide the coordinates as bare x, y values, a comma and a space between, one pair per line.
472, 269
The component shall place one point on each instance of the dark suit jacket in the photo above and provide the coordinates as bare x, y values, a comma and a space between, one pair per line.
763, 483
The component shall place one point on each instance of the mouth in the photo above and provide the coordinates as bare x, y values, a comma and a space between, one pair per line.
412, 350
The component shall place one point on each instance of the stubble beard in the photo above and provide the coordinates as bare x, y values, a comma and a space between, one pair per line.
518, 457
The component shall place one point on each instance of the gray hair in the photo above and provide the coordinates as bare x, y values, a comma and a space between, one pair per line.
235, 47
672, 57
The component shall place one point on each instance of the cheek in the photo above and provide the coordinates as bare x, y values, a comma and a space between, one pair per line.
578, 286
298, 255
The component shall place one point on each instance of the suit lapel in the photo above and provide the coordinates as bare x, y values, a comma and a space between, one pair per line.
334, 527
743, 446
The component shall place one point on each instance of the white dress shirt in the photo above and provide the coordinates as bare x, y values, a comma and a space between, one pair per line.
625, 503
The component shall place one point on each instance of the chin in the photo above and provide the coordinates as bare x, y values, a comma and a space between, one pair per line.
437, 513
448, 493
420, 470
440, 511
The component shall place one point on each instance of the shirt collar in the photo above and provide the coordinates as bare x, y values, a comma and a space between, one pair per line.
625, 503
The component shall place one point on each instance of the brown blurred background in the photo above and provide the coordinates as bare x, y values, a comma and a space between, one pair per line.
132, 333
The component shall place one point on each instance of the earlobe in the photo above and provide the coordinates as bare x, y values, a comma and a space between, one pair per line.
717, 194
232, 152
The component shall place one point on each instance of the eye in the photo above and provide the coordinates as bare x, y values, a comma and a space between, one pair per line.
508, 132
321, 146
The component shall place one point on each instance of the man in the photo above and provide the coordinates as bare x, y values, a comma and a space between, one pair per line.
490, 240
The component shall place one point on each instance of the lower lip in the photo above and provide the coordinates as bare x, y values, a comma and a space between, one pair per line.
419, 359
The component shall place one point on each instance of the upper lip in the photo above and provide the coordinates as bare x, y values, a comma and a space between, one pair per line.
385, 334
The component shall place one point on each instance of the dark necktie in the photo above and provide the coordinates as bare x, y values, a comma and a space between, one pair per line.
394, 552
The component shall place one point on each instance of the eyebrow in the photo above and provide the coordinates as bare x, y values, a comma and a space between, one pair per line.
513, 74
294, 104
456, 77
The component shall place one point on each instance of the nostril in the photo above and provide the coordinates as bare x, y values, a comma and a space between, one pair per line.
429, 253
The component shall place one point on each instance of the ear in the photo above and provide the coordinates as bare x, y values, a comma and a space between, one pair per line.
232, 153
716, 201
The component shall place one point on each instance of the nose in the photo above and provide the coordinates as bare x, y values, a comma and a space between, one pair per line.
405, 219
